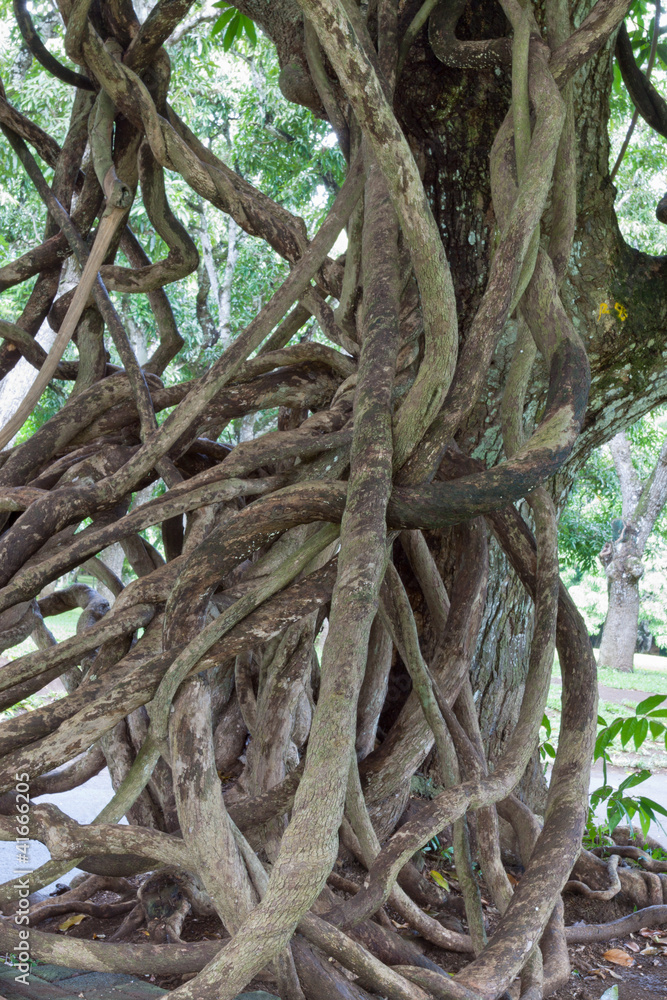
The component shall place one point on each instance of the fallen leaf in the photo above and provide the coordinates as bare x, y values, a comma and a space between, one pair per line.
615, 974
610, 994
650, 950
648, 932
72, 921
512, 878
632, 945
618, 957
439, 880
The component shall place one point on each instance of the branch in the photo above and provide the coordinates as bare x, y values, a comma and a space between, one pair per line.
635, 116
41, 53
652, 500
631, 487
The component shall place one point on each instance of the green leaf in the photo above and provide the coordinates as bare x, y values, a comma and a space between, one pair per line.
549, 750
232, 33
601, 721
653, 807
629, 805
657, 728
650, 703
644, 821
250, 29
610, 994
615, 728
634, 779
614, 818
601, 793
627, 730
546, 725
223, 20
640, 733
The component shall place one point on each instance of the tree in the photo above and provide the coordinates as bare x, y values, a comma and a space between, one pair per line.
451, 381
622, 556
594, 514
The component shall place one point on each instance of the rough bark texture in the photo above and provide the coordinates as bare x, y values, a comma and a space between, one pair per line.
622, 556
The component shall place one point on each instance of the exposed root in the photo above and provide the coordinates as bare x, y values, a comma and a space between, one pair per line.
649, 916
164, 901
605, 894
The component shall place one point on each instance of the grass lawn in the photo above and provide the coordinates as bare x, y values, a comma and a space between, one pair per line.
63, 626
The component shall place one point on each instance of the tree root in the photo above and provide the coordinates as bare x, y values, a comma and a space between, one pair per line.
101, 910
648, 863
649, 916
605, 894
103, 956
640, 887
164, 901
78, 897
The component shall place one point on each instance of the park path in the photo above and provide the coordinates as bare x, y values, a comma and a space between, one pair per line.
53, 982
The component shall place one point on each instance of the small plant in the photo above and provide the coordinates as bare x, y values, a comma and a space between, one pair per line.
545, 746
620, 805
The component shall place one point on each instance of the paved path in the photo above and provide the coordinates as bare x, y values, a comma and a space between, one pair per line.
82, 804
53, 982
654, 788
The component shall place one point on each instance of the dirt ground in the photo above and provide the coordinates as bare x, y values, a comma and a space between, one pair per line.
643, 978
592, 975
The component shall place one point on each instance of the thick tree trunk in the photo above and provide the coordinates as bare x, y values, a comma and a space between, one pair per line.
619, 636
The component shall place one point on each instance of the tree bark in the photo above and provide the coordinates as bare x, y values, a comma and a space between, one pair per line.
622, 556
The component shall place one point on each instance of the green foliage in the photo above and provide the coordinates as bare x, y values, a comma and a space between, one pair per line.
620, 805
595, 499
234, 24
640, 181
545, 747
587, 521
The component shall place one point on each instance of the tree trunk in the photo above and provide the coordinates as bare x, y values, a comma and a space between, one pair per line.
622, 556
624, 571
619, 636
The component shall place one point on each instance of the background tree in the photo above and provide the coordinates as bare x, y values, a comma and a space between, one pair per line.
484, 290
593, 520
621, 557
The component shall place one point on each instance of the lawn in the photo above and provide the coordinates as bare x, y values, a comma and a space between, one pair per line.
62, 626
649, 677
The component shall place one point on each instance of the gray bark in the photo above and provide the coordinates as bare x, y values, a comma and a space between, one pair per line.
622, 557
